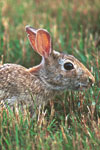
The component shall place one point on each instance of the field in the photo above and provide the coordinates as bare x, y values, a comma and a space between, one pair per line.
72, 121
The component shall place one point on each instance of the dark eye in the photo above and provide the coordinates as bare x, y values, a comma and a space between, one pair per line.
68, 66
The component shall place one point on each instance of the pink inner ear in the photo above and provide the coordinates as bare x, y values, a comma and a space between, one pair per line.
32, 36
32, 41
43, 43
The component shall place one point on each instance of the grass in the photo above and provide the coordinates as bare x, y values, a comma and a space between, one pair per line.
72, 121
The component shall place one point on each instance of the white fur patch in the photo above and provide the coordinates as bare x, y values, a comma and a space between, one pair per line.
55, 52
62, 62
1, 93
8, 101
11, 100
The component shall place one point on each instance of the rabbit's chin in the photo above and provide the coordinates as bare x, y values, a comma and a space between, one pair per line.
74, 88
78, 87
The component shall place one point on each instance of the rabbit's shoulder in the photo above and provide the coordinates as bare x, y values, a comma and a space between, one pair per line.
11, 68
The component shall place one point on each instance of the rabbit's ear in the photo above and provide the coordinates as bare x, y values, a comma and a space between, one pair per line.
43, 43
31, 35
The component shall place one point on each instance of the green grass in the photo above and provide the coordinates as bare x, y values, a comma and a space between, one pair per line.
72, 121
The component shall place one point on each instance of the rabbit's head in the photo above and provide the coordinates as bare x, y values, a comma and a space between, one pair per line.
57, 71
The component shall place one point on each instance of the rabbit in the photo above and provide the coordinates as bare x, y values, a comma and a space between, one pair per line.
38, 85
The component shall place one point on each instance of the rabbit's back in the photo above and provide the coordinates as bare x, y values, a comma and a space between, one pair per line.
14, 83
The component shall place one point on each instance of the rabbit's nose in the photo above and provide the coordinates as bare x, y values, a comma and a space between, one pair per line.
91, 80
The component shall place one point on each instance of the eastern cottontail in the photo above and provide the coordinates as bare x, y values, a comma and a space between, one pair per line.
37, 85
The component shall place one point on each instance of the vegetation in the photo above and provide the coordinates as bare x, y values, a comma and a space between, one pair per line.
72, 121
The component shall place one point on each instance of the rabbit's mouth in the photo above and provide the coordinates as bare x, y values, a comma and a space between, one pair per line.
81, 86
88, 84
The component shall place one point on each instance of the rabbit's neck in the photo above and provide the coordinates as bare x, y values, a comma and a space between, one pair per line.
50, 82
36, 69
52, 86
39, 72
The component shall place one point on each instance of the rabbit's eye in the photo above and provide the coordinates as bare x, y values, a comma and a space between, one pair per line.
68, 66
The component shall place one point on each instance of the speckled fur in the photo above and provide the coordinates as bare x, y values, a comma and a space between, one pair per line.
17, 84
38, 85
